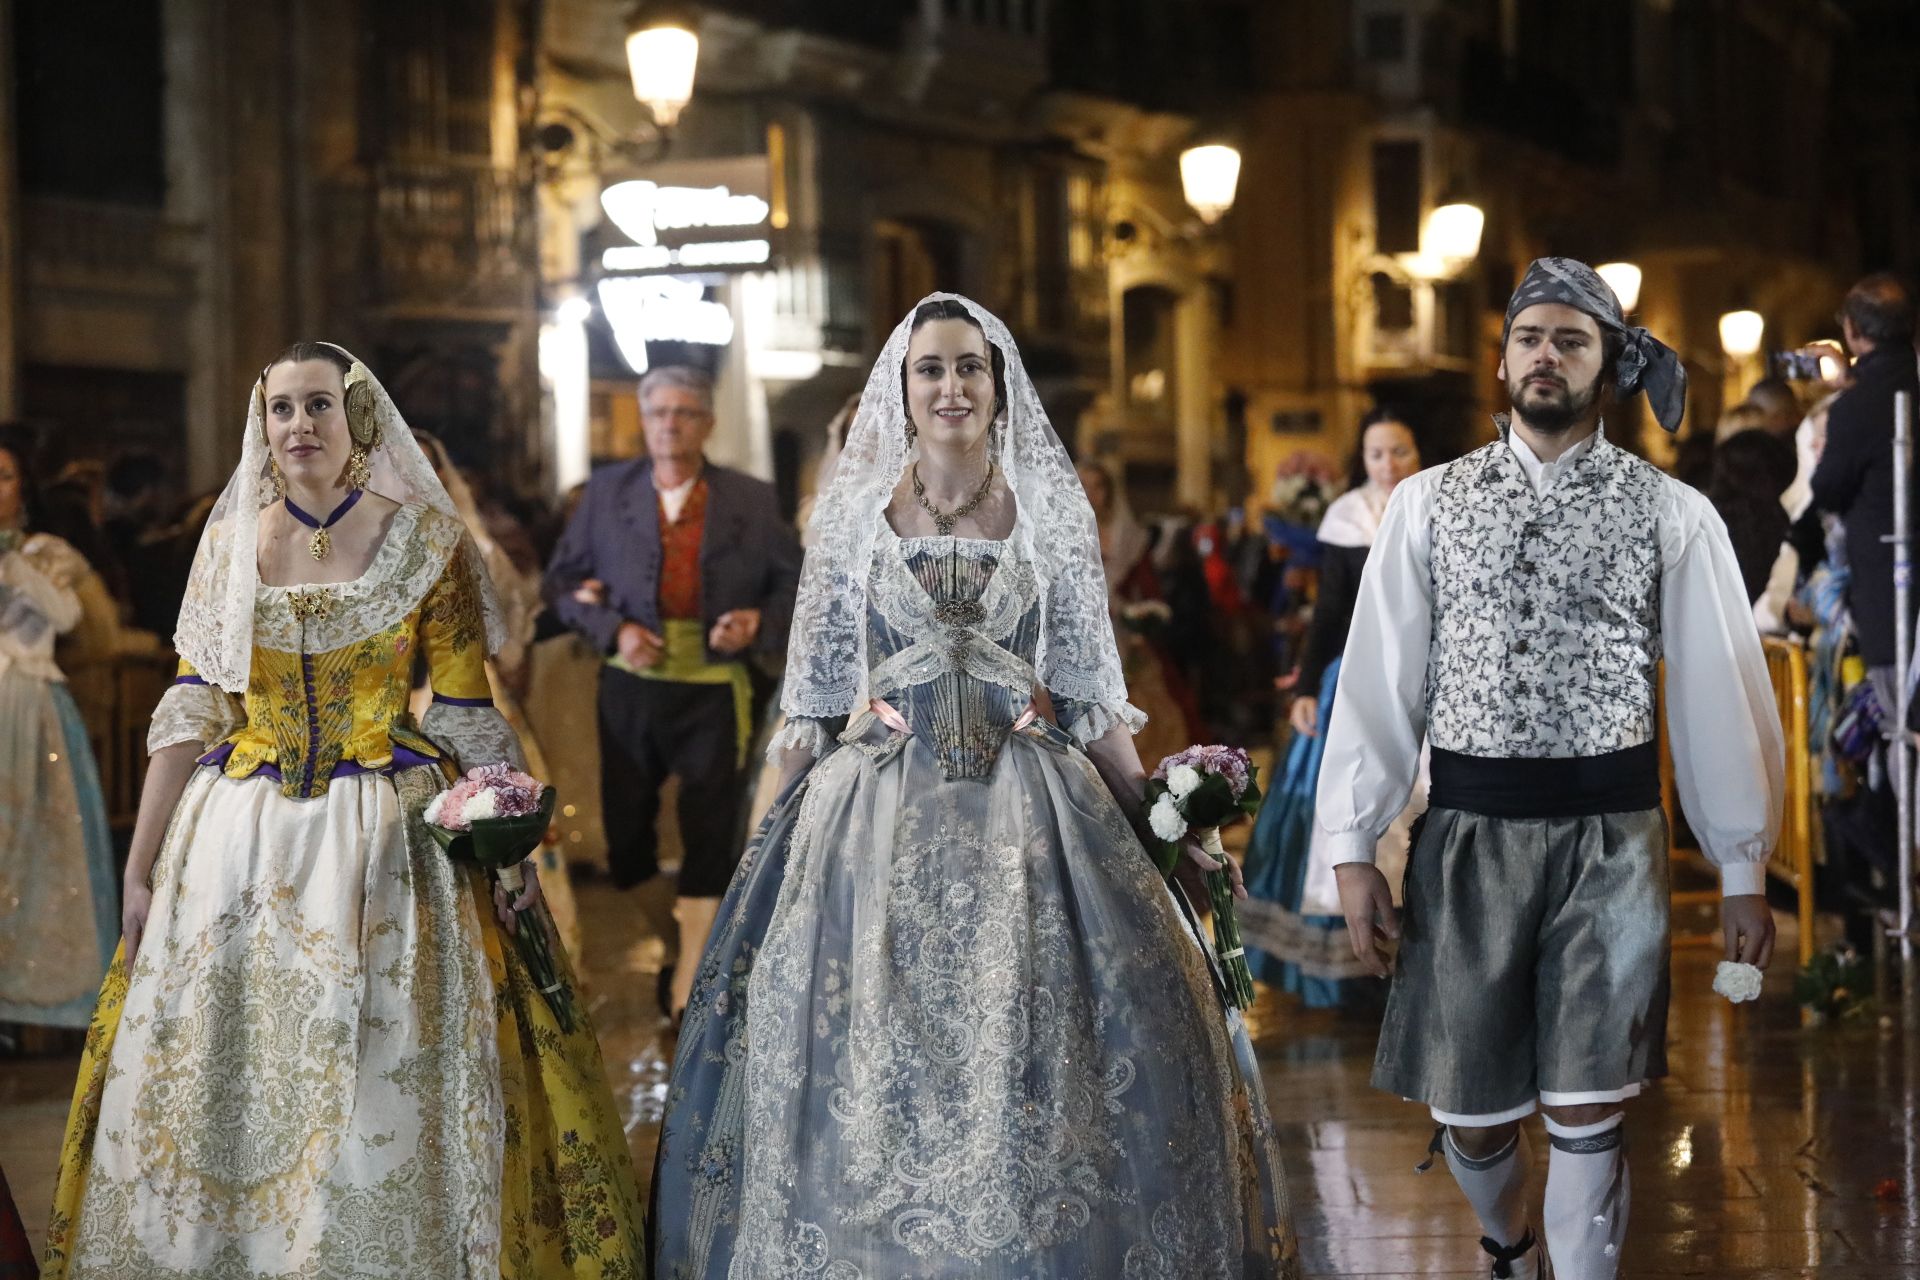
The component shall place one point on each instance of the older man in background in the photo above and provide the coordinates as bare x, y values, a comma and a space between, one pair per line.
676, 569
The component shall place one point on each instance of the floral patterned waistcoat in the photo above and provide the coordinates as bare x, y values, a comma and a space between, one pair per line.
1546, 616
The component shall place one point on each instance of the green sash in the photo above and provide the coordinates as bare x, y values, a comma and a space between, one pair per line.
685, 662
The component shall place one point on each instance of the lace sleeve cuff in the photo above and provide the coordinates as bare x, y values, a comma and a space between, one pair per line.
193, 712
808, 735
1088, 722
473, 735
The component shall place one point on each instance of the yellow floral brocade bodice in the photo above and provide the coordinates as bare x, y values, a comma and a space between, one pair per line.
333, 664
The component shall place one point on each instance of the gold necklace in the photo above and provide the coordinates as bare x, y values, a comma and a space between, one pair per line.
945, 520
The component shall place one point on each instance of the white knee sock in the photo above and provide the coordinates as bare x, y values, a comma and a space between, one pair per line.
1587, 1199
1496, 1188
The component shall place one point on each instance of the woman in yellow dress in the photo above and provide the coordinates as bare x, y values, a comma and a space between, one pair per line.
318, 1053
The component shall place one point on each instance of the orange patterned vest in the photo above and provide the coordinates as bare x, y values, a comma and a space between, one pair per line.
680, 556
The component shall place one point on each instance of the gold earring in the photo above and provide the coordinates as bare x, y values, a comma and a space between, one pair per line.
913, 432
361, 423
359, 469
278, 481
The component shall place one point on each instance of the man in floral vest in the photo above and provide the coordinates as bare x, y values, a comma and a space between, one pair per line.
1514, 613
676, 569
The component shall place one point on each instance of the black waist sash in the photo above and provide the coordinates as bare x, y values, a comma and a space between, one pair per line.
1547, 787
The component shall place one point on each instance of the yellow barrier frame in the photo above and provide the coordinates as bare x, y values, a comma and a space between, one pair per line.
1792, 859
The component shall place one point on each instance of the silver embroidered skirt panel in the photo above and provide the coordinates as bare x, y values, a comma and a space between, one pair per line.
952, 1022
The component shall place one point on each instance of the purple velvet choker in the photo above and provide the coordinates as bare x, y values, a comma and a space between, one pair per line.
321, 542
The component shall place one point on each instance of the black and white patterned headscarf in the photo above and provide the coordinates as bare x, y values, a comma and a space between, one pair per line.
1646, 363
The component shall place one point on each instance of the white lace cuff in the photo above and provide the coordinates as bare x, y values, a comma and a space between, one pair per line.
1098, 717
193, 713
808, 735
473, 736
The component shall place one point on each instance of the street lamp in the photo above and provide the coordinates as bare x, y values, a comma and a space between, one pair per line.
662, 51
1209, 176
1452, 233
1449, 240
1624, 279
1740, 333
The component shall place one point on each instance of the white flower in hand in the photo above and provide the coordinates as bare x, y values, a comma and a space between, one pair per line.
1182, 779
1737, 982
434, 807
481, 804
1165, 819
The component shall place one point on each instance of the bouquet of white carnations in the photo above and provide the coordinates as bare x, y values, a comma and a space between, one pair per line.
494, 818
1196, 792
1737, 982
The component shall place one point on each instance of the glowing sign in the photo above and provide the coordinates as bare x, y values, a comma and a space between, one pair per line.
644, 209
705, 253
645, 309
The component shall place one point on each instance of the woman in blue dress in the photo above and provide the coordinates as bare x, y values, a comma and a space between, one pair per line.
1295, 936
59, 914
951, 1020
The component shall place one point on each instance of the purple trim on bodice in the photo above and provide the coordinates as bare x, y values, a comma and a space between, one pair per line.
403, 758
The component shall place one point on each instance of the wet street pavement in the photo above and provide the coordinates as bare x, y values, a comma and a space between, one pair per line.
1771, 1152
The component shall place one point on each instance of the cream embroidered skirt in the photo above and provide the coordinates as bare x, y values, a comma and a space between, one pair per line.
326, 1064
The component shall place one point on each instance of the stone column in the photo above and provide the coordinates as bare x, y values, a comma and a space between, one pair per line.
1193, 329
198, 196
11, 216
741, 435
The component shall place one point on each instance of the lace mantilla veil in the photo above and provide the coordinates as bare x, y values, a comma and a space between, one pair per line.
1054, 530
215, 632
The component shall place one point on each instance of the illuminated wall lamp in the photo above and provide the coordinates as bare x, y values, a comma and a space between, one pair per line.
1209, 178
1449, 239
662, 52
1624, 279
1452, 232
1740, 333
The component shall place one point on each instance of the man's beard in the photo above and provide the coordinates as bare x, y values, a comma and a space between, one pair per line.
1555, 412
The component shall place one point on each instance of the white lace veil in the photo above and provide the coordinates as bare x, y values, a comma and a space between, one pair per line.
215, 631
1054, 529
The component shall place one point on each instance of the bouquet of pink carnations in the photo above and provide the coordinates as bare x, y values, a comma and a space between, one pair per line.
1196, 792
494, 817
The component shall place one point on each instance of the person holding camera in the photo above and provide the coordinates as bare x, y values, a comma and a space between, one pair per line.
1854, 478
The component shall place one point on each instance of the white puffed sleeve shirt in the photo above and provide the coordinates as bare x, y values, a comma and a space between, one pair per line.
1728, 753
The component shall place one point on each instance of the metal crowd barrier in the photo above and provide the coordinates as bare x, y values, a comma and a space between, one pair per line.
1793, 855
